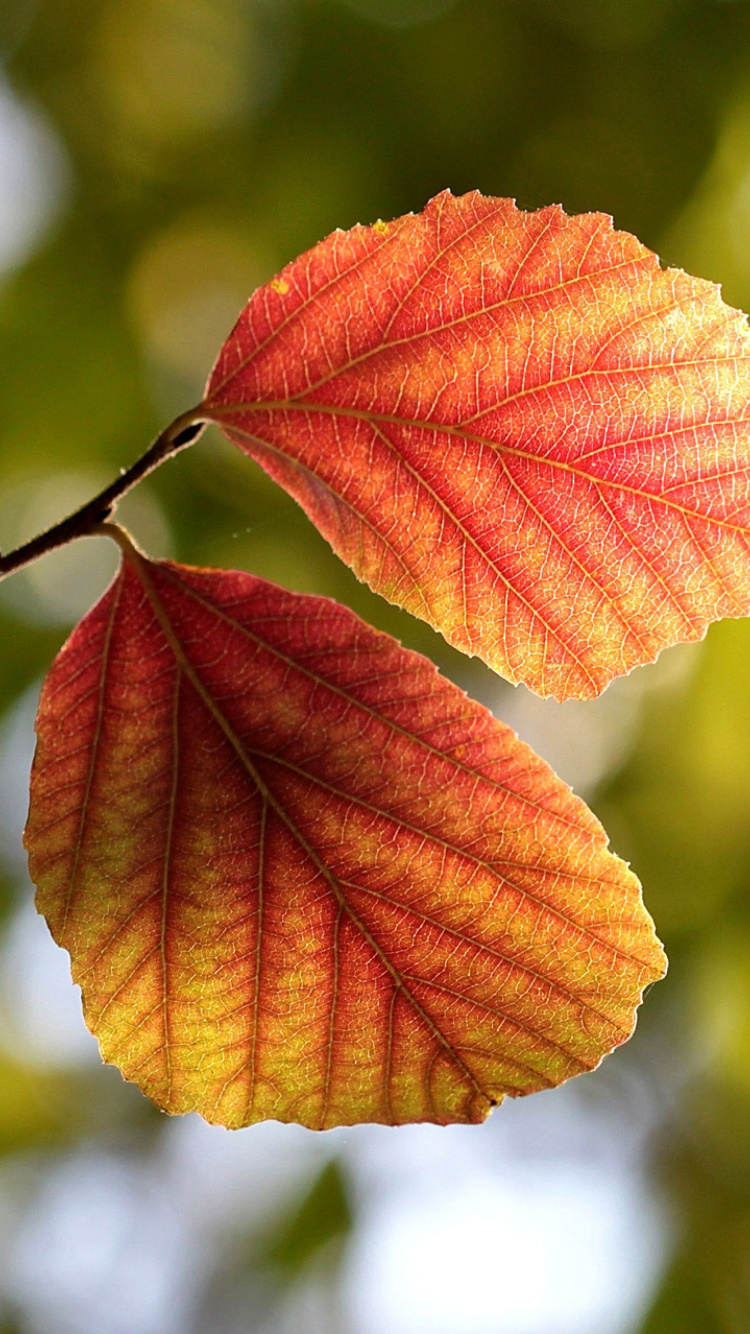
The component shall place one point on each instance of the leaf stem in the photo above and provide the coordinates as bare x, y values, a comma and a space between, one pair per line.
183, 431
124, 540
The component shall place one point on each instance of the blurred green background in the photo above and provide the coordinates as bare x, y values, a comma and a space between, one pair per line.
158, 160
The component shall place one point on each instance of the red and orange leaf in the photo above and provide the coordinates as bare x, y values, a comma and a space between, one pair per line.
516, 425
302, 876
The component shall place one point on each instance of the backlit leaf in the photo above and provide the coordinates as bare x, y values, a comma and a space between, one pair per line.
302, 876
514, 424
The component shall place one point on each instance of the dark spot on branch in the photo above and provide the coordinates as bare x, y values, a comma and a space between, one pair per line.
188, 433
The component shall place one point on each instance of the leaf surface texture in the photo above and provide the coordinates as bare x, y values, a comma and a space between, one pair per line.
302, 876
516, 425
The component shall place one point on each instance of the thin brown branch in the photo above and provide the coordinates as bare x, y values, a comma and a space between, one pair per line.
183, 431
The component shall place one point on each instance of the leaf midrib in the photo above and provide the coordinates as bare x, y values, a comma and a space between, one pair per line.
333, 881
140, 565
489, 866
217, 413
326, 684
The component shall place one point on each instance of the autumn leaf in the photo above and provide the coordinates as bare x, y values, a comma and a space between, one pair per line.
516, 425
302, 876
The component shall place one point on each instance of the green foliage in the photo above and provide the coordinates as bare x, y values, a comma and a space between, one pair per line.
316, 1228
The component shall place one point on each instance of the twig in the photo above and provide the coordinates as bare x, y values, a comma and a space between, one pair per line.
183, 431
